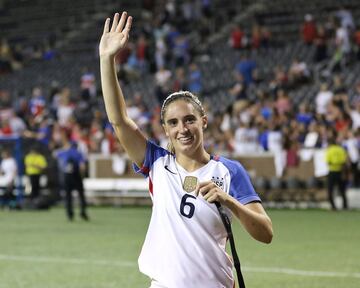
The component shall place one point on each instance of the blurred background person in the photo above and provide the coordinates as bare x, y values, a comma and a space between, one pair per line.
8, 173
72, 168
336, 159
35, 165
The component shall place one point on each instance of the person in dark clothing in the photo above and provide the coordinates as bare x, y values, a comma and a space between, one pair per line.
72, 167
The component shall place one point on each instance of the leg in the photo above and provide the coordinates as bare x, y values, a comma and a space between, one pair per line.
342, 189
35, 186
331, 184
83, 205
68, 197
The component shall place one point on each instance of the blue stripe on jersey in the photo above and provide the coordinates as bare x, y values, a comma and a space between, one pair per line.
152, 153
240, 184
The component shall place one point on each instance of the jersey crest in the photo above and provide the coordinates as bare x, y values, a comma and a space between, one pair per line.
219, 181
190, 183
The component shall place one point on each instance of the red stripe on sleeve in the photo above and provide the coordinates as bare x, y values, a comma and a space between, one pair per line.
144, 170
150, 186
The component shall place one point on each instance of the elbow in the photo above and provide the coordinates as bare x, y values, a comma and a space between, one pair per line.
267, 234
270, 233
265, 237
268, 237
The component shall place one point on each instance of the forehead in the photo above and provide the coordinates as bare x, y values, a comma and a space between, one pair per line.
180, 108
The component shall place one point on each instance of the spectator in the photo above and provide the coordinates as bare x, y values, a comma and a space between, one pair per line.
308, 29
299, 73
238, 90
35, 165
256, 37
194, 80
346, 18
88, 82
336, 159
320, 44
237, 38
162, 79
37, 102
246, 139
304, 116
322, 99
142, 53
72, 168
355, 115
265, 37
352, 145
65, 109
246, 68
283, 104
8, 173
5, 57
180, 81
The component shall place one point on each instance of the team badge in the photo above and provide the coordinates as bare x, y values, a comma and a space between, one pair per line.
219, 181
190, 183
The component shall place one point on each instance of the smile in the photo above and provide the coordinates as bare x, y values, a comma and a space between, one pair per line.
185, 140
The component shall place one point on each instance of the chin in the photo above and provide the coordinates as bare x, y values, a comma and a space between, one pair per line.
187, 148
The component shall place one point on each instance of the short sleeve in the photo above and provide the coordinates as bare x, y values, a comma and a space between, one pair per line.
240, 184
152, 153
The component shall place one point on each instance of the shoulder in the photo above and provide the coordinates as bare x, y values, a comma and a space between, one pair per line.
156, 150
234, 167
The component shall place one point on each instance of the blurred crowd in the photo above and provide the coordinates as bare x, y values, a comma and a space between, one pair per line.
259, 120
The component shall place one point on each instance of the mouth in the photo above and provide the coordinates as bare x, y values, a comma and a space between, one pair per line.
186, 140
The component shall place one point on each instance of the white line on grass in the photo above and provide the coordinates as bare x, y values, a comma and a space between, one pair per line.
79, 261
302, 272
67, 260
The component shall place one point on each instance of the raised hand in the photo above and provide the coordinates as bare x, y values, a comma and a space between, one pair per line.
115, 38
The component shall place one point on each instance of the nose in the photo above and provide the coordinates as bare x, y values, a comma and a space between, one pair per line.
183, 127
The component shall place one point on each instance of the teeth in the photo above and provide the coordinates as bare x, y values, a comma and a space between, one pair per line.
185, 139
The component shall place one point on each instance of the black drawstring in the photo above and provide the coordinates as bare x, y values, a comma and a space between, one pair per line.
225, 219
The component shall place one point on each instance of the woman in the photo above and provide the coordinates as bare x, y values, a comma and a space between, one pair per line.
185, 242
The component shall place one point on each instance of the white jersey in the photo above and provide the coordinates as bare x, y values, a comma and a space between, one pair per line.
186, 238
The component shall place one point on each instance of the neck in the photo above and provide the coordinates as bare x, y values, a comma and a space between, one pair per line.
193, 162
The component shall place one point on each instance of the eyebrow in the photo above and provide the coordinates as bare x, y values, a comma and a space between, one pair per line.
191, 116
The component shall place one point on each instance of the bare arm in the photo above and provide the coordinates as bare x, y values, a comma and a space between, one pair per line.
112, 41
252, 216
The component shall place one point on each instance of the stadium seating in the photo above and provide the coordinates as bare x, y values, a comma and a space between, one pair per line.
76, 29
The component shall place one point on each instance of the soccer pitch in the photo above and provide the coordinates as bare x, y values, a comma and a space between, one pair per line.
311, 248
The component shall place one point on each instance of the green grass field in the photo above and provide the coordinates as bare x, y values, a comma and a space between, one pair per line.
311, 248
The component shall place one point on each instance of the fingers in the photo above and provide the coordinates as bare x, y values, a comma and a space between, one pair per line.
210, 192
201, 185
121, 24
211, 198
106, 26
115, 22
118, 26
128, 24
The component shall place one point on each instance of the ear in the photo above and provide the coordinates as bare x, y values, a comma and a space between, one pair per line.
165, 130
204, 122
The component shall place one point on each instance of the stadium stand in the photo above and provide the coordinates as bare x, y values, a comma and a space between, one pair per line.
57, 59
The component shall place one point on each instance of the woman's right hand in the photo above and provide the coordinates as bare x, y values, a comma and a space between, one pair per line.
115, 38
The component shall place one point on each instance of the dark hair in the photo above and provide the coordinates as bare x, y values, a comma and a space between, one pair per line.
183, 95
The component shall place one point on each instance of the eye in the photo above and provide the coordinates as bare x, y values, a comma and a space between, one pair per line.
190, 120
172, 122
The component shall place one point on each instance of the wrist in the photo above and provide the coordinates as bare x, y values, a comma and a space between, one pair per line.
107, 57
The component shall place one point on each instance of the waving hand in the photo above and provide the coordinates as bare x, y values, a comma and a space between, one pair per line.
115, 38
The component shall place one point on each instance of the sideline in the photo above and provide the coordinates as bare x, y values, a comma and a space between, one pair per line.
131, 264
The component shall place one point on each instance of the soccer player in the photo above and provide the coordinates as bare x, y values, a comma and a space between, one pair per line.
185, 241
